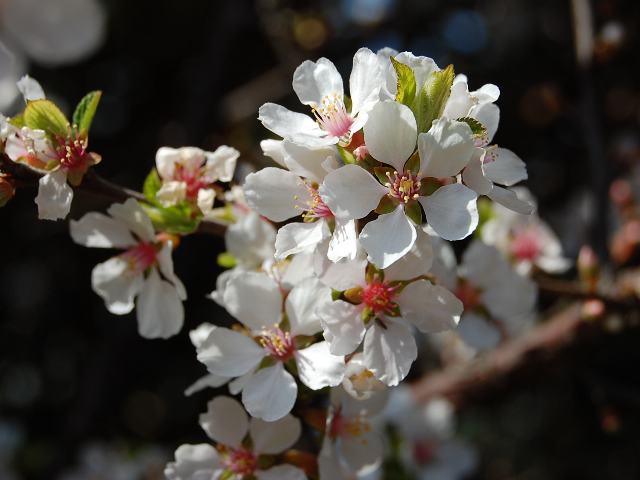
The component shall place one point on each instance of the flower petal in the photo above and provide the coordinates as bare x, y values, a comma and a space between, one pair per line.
302, 306
159, 308
343, 327
388, 238
346, 274
476, 332
365, 80
489, 115
351, 192
191, 459
208, 381
274, 149
54, 196
313, 81
229, 354
250, 240
220, 164
390, 133
165, 263
270, 394
474, 176
300, 237
389, 351
362, 453
131, 213
509, 199
272, 438
295, 127
308, 162
116, 284
415, 263
452, 211
100, 231
507, 168
281, 472
172, 192
431, 308
30, 89
225, 421
264, 309
318, 368
344, 241
276, 193
445, 149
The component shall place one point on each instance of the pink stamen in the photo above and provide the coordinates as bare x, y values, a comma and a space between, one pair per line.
193, 180
72, 153
378, 296
404, 187
241, 462
332, 116
278, 343
315, 208
141, 257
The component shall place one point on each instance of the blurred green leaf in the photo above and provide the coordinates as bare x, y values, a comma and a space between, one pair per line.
85, 111
433, 97
45, 115
406, 83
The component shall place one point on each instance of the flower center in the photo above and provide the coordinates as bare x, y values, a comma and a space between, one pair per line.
468, 295
342, 426
404, 187
72, 153
525, 245
332, 117
192, 179
378, 296
279, 344
141, 257
241, 462
314, 208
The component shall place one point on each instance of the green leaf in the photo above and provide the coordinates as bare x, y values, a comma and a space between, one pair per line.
346, 155
17, 120
226, 260
85, 111
433, 97
178, 219
151, 186
406, 84
45, 115
476, 127
414, 212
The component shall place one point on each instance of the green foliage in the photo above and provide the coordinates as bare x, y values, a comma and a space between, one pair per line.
179, 219
476, 127
45, 115
17, 121
346, 155
433, 96
151, 186
406, 84
226, 260
85, 111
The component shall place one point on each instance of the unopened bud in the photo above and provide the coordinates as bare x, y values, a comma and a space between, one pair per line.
354, 295
7, 190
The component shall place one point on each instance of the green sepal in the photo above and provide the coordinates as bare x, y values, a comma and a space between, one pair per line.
227, 260
406, 83
414, 212
373, 273
45, 115
17, 120
477, 128
428, 186
178, 219
85, 111
381, 174
335, 294
366, 314
152, 184
353, 295
346, 155
433, 97
386, 205
413, 164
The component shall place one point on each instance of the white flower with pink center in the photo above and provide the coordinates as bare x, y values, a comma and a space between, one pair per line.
319, 85
273, 341
241, 446
141, 276
407, 186
189, 174
377, 309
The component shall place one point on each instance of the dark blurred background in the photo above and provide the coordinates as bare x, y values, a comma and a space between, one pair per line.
194, 73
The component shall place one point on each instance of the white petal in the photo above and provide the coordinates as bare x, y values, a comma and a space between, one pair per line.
295, 127
166, 159
390, 133
351, 192
483, 265
208, 381
274, 149
509, 199
511, 296
489, 115
488, 93
30, 89
415, 263
237, 384
343, 327
445, 149
165, 263
271, 438
308, 162
206, 198
343, 275
264, 309
225, 421
473, 176
54, 196
281, 472
344, 241
312, 81
229, 354
116, 284
459, 102
198, 335
221, 164
276, 193
302, 305
507, 168
363, 452
270, 394
422, 67
100, 231
300, 237
318, 368
159, 308
172, 192
191, 459
365, 81
388, 238
477, 332
431, 308
452, 211
389, 351
132, 214
250, 240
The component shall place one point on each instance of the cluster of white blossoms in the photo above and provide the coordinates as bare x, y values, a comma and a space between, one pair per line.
338, 260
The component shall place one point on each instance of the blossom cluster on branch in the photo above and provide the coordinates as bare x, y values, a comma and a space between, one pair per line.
338, 261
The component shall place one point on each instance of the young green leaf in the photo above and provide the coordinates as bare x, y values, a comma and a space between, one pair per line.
476, 127
433, 97
178, 219
226, 260
406, 84
151, 185
85, 111
45, 115
346, 155
17, 120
